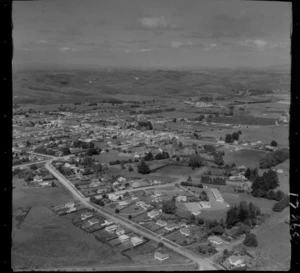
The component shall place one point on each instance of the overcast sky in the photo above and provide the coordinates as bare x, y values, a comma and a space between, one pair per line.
156, 33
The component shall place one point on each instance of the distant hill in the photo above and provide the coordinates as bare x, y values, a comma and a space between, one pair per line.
68, 85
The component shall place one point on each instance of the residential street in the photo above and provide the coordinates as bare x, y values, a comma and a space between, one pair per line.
203, 263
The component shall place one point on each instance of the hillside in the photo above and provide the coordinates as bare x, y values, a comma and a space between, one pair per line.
68, 85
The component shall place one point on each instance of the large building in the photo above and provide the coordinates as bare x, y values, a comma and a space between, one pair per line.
217, 195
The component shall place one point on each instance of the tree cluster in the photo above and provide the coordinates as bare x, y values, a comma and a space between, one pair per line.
163, 155
263, 184
209, 148
169, 206
205, 179
282, 204
146, 124
196, 161
82, 144
188, 184
207, 249
244, 213
96, 201
229, 138
274, 158
143, 168
251, 174
251, 240
218, 158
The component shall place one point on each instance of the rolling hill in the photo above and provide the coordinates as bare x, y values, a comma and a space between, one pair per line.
67, 85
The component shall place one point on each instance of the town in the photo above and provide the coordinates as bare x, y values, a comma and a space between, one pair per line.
158, 184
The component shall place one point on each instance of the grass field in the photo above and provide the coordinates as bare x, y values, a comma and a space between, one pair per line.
248, 158
265, 134
47, 240
274, 249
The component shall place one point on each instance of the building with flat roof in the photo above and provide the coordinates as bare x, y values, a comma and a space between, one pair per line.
217, 195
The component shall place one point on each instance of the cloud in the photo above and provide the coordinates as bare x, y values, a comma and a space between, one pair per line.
260, 44
42, 42
177, 44
156, 22
66, 49
146, 50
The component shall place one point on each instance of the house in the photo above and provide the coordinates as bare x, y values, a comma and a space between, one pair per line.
123, 238
215, 240
46, 184
107, 223
236, 261
161, 223
93, 221
185, 231
69, 205
136, 241
114, 197
160, 256
111, 228
123, 203
171, 226
122, 179
181, 198
120, 231
217, 195
153, 213
280, 171
38, 179
196, 212
86, 215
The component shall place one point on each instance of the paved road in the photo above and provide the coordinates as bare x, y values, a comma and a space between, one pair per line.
203, 263
31, 163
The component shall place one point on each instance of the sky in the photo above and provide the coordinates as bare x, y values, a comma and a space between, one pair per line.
152, 34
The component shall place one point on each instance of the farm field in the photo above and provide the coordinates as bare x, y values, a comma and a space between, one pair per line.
266, 134
47, 240
248, 158
274, 249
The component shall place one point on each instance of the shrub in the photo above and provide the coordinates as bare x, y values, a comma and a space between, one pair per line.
251, 240
282, 204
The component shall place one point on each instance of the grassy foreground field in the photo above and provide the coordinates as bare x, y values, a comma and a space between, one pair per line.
47, 240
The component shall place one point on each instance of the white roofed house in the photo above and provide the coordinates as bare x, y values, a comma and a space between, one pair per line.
86, 215
136, 240
160, 256
153, 214
161, 223
185, 231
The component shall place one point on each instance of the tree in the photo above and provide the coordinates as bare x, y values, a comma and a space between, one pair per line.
228, 138
149, 157
189, 179
129, 217
87, 161
160, 244
33, 167
274, 143
169, 207
65, 151
117, 210
200, 221
251, 240
196, 161
130, 169
235, 136
218, 158
143, 168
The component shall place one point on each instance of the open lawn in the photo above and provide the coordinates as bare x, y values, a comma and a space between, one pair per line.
131, 210
175, 170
